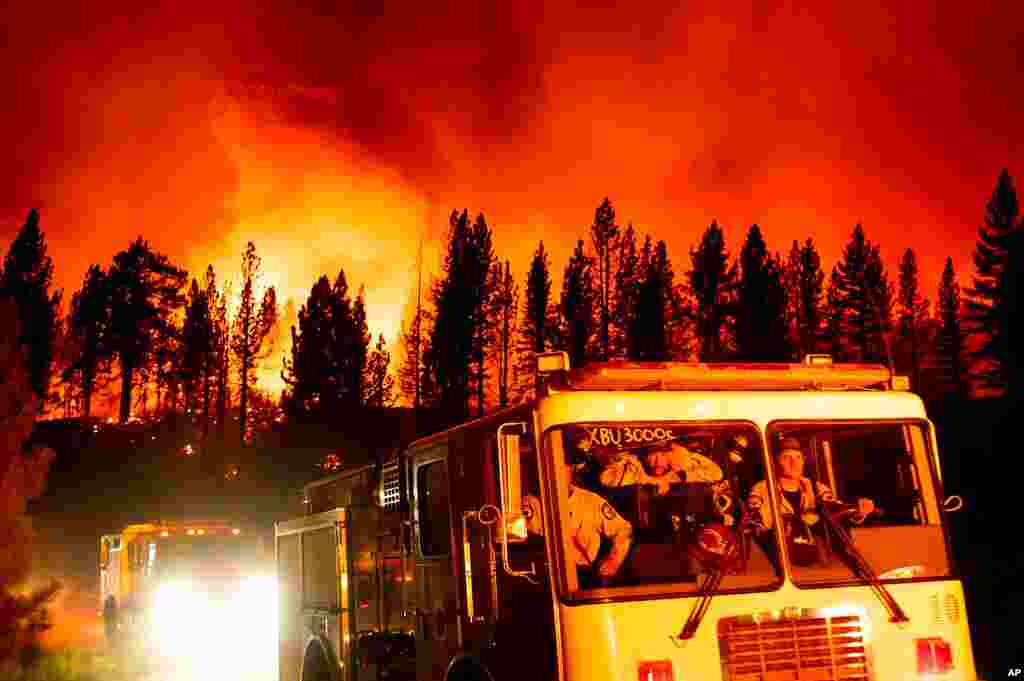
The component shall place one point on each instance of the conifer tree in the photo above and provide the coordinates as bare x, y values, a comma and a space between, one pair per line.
89, 320
26, 278
145, 295
196, 345
760, 312
990, 305
379, 384
791, 279
913, 314
832, 332
712, 282
604, 233
627, 285
536, 330
253, 324
504, 306
577, 306
808, 294
866, 297
654, 306
455, 354
950, 346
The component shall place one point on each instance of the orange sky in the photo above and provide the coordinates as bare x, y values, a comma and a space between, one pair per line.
331, 139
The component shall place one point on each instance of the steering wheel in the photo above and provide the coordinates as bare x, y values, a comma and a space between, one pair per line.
846, 512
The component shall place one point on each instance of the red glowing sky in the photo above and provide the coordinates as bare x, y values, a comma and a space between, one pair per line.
331, 137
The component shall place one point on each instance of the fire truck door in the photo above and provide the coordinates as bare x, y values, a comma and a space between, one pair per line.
437, 626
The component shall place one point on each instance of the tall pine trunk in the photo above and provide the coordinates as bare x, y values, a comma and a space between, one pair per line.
206, 396
127, 376
243, 395
222, 394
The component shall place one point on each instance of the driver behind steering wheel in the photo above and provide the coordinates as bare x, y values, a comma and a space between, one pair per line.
796, 491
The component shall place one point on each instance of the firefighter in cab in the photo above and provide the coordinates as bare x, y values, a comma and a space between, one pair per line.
592, 521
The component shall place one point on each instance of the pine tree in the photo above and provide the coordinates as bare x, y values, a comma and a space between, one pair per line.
379, 384
791, 280
578, 299
504, 306
639, 322
216, 340
537, 325
713, 284
808, 294
604, 235
832, 332
358, 348
989, 311
480, 263
866, 297
761, 333
145, 295
89, 320
252, 326
26, 278
950, 341
222, 371
454, 358
627, 284
413, 341
196, 345
410, 373
654, 306
309, 372
913, 313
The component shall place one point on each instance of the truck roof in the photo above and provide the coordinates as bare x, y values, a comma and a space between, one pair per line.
722, 376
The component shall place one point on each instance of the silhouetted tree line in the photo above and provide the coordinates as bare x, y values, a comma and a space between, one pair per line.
135, 328
464, 352
175, 345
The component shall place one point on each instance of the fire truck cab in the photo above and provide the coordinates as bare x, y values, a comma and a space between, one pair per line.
742, 522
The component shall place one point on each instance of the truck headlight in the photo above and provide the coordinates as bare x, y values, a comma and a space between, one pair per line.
179, 613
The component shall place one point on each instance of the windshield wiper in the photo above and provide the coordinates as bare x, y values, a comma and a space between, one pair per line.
860, 566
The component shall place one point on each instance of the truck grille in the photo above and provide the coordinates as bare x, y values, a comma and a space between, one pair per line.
806, 646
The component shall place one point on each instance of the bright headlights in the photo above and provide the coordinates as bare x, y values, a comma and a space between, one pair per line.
179, 616
191, 627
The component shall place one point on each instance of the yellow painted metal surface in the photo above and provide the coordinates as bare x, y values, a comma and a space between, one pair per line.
606, 642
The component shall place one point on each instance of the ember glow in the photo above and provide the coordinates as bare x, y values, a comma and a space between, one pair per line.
335, 140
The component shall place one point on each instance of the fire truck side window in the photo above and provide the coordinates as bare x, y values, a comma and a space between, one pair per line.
432, 499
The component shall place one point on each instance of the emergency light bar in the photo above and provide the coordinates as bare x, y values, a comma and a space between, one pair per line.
739, 376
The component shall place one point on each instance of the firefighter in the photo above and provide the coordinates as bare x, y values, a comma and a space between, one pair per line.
797, 491
110, 619
592, 520
661, 464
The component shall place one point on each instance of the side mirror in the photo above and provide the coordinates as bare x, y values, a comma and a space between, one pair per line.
512, 523
510, 478
953, 504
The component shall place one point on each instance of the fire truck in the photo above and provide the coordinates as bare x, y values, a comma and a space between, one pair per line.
186, 594
660, 521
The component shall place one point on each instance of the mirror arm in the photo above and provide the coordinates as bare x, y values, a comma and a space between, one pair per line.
529, 575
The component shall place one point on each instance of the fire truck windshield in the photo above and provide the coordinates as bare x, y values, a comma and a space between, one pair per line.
648, 508
869, 486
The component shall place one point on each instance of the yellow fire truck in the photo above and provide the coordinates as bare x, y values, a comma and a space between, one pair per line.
660, 522
189, 593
